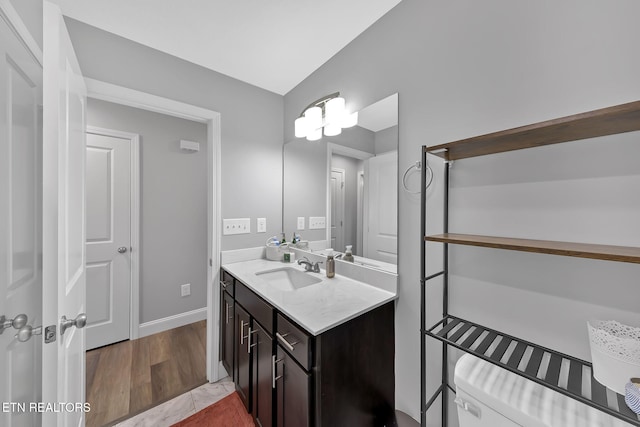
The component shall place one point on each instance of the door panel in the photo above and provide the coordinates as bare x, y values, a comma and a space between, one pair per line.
64, 281
108, 181
382, 239
243, 358
262, 350
227, 334
292, 393
20, 219
337, 209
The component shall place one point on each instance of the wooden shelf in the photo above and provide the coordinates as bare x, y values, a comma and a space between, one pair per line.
606, 121
580, 250
492, 345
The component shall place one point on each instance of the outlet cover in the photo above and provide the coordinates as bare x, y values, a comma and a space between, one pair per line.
185, 290
317, 222
261, 225
300, 223
236, 226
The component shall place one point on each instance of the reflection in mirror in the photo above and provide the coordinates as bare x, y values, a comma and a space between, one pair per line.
342, 190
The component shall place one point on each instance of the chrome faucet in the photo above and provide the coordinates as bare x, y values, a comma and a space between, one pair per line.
310, 266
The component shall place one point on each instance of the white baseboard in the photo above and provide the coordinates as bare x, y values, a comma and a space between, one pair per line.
171, 322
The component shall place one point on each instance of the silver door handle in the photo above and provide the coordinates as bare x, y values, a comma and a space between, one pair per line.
273, 371
286, 343
249, 345
122, 249
242, 337
79, 322
17, 322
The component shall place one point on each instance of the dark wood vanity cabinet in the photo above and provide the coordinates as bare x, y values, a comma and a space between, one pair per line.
227, 310
261, 381
242, 372
287, 377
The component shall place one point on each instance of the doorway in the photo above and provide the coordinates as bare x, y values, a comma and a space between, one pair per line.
128, 97
112, 210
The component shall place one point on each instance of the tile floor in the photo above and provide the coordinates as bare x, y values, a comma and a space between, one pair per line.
181, 407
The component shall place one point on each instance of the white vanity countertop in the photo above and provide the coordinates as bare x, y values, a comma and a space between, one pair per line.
319, 307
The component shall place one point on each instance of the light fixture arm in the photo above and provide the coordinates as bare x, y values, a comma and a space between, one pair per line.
320, 102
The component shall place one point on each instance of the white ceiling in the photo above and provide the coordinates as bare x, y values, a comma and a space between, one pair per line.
271, 44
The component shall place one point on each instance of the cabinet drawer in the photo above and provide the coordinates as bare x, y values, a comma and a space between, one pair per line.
256, 306
227, 282
294, 340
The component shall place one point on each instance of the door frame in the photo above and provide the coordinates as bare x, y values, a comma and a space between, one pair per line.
332, 149
342, 209
134, 206
104, 91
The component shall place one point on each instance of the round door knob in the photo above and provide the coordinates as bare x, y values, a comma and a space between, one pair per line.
79, 322
17, 322
26, 332
122, 249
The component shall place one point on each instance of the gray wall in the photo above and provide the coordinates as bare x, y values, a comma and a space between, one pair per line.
251, 120
466, 68
30, 12
173, 206
386, 140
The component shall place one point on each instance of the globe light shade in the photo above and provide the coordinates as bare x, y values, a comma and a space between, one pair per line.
334, 111
301, 128
315, 134
313, 118
350, 120
332, 130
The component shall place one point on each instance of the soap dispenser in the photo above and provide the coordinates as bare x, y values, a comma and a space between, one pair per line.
348, 254
330, 265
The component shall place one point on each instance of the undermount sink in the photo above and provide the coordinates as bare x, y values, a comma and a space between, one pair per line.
288, 278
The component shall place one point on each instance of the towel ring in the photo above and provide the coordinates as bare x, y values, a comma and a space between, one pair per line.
418, 167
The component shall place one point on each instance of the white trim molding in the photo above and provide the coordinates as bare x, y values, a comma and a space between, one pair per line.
134, 150
133, 98
171, 322
11, 16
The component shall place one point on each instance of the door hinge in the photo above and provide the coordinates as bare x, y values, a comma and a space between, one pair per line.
210, 262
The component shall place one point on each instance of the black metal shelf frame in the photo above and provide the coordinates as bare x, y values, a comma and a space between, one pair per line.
541, 365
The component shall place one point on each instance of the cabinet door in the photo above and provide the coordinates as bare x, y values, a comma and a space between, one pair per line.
292, 392
261, 351
242, 355
226, 332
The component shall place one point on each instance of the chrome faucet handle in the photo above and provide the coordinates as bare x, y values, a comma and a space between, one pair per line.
303, 259
316, 267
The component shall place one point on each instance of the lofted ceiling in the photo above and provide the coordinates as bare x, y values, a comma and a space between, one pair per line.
270, 44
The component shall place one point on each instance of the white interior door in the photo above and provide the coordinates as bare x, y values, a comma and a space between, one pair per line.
108, 193
64, 286
382, 237
337, 209
20, 227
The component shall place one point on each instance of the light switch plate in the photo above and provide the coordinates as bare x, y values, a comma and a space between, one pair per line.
317, 222
261, 225
300, 223
236, 226
185, 290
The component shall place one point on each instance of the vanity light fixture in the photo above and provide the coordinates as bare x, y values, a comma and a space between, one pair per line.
327, 115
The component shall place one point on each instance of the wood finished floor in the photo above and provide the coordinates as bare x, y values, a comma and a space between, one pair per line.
129, 377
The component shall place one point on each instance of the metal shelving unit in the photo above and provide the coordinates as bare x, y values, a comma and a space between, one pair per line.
529, 360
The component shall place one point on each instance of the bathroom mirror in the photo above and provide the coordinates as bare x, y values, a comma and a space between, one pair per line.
342, 190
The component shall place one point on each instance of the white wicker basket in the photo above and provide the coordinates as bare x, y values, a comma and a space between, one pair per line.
615, 353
